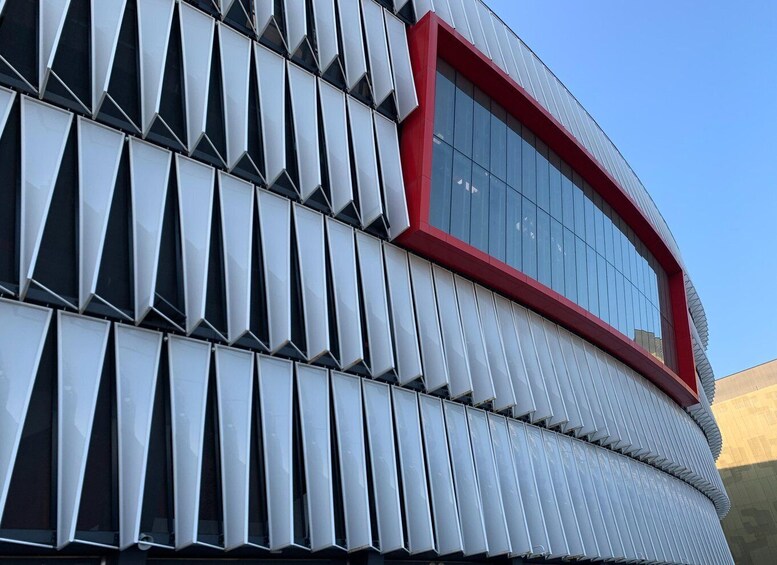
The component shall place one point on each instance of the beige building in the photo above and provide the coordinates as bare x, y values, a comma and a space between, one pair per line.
746, 410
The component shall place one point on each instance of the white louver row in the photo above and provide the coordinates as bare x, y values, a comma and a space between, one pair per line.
441, 476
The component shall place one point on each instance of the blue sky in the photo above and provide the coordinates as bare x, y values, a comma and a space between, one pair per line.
688, 92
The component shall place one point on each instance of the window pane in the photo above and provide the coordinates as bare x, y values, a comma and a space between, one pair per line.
529, 247
514, 143
582, 273
543, 177
498, 141
580, 207
460, 196
478, 232
604, 301
514, 220
444, 101
556, 256
529, 167
570, 276
593, 282
497, 217
462, 128
440, 204
555, 186
568, 199
481, 142
590, 220
543, 248
612, 295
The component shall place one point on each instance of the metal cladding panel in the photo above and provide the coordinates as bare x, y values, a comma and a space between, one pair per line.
303, 90
512, 500
236, 202
601, 386
411, 459
197, 32
403, 316
155, 18
105, 25
149, 173
571, 404
443, 10
524, 401
590, 388
138, 354
587, 422
349, 425
473, 531
351, 34
401, 69
275, 233
600, 488
309, 229
338, 160
326, 33
295, 13
44, 135
430, 338
459, 379
563, 499
81, 346
471, 8
598, 528
234, 387
275, 404
394, 197
195, 208
497, 362
383, 465
616, 502
621, 481
51, 20
444, 510
558, 416
491, 37
459, 16
235, 52
342, 258
271, 78
365, 161
264, 12
373, 291
542, 406
577, 496
377, 51
189, 365
482, 384
99, 153
313, 394
494, 519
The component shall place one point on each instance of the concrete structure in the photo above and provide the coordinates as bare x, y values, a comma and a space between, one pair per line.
746, 410
343, 280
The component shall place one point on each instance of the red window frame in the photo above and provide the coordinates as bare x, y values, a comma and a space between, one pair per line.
431, 38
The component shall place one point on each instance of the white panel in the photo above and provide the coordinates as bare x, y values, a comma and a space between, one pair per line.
137, 364
295, 13
616, 503
483, 387
542, 408
403, 315
530, 494
81, 344
338, 158
473, 530
155, 18
313, 393
275, 400
605, 506
460, 21
51, 20
351, 36
235, 51
446, 516
577, 496
22, 334
309, 227
236, 198
589, 384
149, 173
342, 257
353, 464
488, 482
383, 463
377, 49
271, 75
404, 85
304, 105
511, 498
422, 7
197, 30
490, 34
588, 489
435, 370
234, 386
275, 228
189, 362
497, 362
442, 9
44, 134
460, 383
366, 164
99, 153
326, 33
106, 20
195, 206
411, 457
375, 302
264, 10
548, 372
561, 489
478, 35
524, 402
571, 404
391, 175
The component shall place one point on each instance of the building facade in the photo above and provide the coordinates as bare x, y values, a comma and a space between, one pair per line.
744, 408
333, 280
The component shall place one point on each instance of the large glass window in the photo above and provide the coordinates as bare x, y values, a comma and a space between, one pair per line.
500, 188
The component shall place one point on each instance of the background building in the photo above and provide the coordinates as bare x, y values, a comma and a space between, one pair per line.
745, 409
336, 280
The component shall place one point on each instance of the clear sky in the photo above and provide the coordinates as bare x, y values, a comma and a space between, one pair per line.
687, 91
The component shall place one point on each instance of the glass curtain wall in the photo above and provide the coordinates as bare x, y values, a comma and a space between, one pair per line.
498, 187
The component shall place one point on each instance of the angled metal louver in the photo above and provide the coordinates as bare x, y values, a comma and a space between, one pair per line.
365, 165
459, 378
338, 162
51, 20
155, 20
401, 69
377, 51
482, 384
303, 90
492, 339
392, 181
351, 33
197, 34
524, 400
105, 26
403, 317
235, 52
327, 45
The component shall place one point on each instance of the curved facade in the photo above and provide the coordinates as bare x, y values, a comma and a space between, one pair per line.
333, 280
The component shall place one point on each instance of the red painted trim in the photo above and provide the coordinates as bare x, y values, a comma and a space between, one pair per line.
432, 38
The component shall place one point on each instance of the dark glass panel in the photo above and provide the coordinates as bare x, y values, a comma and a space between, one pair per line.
556, 256
478, 228
590, 219
567, 198
462, 128
581, 273
498, 152
612, 295
481, 140
497, 219
440, 201
570, 276
528, 167
543, 248
601, 276
444, 102
556, 196
514, 220
514, 151
580, 207
529, 239
543, 177
460, 196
